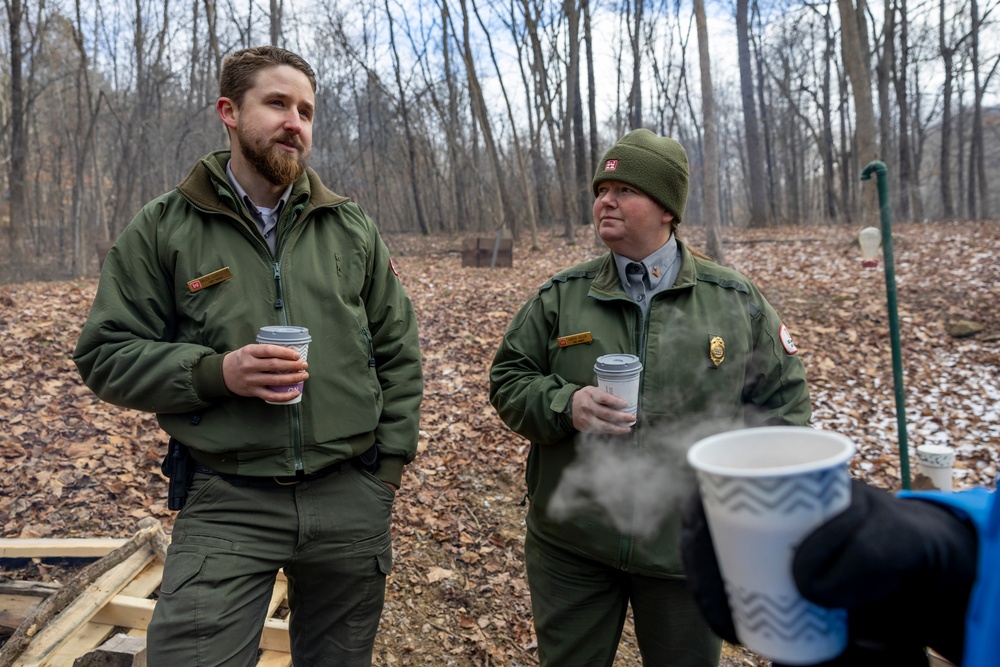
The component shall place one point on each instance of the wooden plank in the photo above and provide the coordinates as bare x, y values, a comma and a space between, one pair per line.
118, 651
126, 611
83, 639
147, 581
119, 601
15, 608
274, 659
69, 547
77, 613
278, 596
38, 589
94, 632
18, 599
275, 636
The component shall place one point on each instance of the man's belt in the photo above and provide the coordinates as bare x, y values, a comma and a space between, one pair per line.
367, 460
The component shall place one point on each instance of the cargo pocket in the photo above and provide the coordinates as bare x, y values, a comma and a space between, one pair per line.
384, 559
181, 568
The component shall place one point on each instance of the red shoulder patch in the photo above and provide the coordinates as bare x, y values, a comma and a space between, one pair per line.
786, 340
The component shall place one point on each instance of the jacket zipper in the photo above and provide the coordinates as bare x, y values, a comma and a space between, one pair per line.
279, 305
625, 545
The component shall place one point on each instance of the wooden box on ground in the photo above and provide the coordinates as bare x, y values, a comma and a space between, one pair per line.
479, 252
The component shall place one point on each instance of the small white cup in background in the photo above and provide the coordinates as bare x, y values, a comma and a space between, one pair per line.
936, 462
618, 374
765, 489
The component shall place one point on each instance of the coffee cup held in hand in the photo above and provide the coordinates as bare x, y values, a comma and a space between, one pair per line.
618, 374
764, 489
298, 339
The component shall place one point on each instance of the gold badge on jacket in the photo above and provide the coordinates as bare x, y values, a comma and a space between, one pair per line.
716, 349
213, 278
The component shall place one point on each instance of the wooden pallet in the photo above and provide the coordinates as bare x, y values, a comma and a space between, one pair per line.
118, 601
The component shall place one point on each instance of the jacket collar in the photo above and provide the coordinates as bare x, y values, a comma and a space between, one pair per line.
608, 283
207, 186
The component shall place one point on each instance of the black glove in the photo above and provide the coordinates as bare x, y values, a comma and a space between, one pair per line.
903, 569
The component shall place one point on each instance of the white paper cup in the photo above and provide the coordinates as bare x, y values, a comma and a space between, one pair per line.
764, 490
936, 462
298, 339
618, 374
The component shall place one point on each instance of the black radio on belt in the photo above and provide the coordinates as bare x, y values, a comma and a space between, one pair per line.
178, 466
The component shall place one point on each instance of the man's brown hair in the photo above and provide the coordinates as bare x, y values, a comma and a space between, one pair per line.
239, 69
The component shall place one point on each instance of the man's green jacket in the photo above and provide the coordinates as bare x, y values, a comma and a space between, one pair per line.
159, 328
616, 499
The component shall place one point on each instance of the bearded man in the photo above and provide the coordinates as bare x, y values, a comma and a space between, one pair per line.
269, 480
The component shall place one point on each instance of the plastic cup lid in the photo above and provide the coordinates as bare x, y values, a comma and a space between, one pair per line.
617, 363
283, 335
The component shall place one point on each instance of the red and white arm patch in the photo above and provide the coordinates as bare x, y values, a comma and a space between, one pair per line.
393, 267
786, 340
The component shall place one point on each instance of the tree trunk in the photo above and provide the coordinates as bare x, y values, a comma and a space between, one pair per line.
765, 122
906, 184
710, 188
829, 189
275, 22
482, 114
635, 92
856, 52
17, 171
591, 101
522, 170
883, 70
404, 109
757, 192
570, 126
977, 173
454, 129
944, 163
575, 106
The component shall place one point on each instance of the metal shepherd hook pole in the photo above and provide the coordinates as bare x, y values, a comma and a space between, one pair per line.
890, 291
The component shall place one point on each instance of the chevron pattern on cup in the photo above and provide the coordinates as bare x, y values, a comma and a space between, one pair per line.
780, 618
783, 495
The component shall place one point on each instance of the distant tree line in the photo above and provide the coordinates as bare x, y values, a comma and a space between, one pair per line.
465, 116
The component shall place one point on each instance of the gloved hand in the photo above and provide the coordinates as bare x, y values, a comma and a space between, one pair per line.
903, 568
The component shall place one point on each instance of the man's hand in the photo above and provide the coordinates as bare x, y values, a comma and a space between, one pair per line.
597, 411
250, 370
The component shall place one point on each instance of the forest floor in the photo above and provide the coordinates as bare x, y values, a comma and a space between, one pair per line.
73, 466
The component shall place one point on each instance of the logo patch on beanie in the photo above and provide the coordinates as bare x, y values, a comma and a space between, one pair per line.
610, 165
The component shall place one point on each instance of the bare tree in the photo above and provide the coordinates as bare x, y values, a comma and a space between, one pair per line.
635, 41
482, 115
948, 52
574, 103
88, 111
277, 9
978, 193
17, 167
591, 86
522, 170
899, 79
755, 175
710, 186
404, 111
856, 52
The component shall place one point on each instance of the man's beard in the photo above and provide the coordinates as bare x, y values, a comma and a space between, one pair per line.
278, 167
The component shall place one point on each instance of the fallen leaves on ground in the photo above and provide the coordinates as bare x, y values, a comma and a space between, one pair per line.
76, 467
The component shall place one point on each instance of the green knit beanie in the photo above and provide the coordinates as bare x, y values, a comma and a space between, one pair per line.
658, 166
